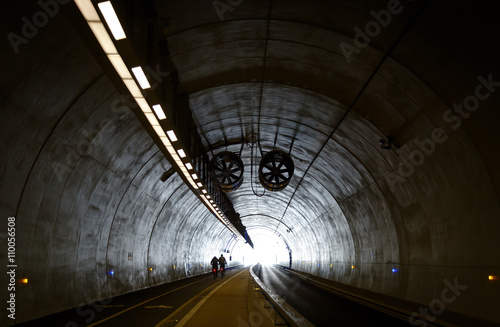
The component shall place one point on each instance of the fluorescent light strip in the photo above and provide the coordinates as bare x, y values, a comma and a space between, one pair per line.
120, 67
133, 88
112, 20
151, 118
165, 141
144, 105
87, 9
102, 37
159, 111
172, 136
141, 77
159, 130
172, 152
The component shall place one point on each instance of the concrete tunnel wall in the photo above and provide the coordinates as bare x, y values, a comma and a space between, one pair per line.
82, 177
429, 209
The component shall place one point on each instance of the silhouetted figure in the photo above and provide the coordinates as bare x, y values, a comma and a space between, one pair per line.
214, 263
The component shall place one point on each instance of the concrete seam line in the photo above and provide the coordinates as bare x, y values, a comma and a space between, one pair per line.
199, 304
135, 306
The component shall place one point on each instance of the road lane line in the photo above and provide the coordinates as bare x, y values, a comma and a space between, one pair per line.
135, 306
199, 304
173, 314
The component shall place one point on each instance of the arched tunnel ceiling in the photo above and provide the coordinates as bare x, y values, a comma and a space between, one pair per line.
283, 69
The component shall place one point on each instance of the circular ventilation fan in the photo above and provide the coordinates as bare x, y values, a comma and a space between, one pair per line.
276, 170
226, 170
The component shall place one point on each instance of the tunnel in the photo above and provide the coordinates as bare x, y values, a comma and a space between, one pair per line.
387, 110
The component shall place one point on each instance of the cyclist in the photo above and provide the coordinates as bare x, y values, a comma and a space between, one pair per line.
222, 263
214, 264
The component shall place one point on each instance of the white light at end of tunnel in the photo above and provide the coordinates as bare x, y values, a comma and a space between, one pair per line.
159, 111
268, 249
141, 77
112, 20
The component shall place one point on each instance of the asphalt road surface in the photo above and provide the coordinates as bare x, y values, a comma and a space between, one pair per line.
319, 306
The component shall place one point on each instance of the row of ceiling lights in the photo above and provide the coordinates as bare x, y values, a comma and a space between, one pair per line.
169, 137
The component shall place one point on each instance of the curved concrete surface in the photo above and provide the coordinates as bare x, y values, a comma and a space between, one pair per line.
82, 176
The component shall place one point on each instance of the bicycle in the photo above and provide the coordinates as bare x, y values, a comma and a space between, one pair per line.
222, 271
214, 269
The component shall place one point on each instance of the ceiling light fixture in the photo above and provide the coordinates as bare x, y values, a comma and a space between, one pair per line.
112, 20
103, 37
141, 77
172, 136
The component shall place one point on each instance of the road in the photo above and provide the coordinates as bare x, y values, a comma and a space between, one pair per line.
319, 306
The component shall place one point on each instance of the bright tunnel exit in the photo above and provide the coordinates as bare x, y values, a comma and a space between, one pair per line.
269, 248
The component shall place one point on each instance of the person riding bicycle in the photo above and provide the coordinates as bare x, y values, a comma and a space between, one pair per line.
214, 264
222, 263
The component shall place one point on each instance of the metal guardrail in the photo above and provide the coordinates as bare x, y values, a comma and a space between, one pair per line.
287, 313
